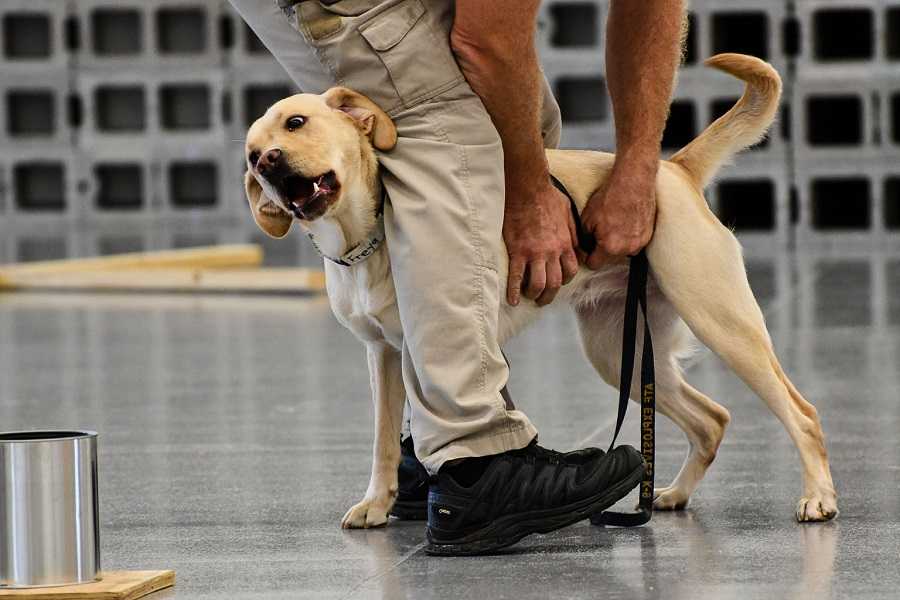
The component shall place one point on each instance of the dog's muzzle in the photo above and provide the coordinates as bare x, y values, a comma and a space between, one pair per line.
306, 198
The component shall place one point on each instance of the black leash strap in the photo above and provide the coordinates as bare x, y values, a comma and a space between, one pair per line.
586, 240
636, 297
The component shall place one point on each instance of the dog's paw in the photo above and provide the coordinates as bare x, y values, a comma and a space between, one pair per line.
669, 498
817, 507
367, 514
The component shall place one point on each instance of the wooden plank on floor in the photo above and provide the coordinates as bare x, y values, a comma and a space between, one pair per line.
203, 257
268, 280
114, 585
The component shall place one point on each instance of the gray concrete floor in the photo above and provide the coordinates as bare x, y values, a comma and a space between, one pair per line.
224, 461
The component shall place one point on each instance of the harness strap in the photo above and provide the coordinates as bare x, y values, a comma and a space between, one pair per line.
635, 297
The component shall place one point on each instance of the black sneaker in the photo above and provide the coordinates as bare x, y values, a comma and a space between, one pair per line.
412, 481
412, 478
526, 491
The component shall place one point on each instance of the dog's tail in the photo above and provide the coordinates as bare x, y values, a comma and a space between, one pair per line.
744, 125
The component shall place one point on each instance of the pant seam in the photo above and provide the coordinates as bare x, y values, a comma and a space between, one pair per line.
474, 232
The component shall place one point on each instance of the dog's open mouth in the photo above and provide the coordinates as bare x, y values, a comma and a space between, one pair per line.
309, 197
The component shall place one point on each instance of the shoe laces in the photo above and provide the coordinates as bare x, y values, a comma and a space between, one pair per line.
533, 453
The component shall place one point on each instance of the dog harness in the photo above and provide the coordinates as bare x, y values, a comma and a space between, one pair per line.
635, 297
363, 250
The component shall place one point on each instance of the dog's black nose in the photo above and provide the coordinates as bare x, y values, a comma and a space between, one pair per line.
268, 160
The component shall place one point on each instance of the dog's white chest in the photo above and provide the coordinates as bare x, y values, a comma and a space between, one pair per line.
364, 301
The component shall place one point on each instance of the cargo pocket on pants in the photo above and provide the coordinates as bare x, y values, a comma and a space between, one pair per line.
419, 62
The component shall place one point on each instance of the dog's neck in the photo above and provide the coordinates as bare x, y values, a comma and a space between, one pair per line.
351, 235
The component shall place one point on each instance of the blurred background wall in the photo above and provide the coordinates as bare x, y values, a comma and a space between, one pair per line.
122, 121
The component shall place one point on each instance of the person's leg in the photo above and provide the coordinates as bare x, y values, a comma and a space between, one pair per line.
444, 221
444, 229
468, 118
445, 182
412, 496
551, 131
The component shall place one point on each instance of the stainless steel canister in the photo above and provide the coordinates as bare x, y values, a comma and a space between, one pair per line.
49, 523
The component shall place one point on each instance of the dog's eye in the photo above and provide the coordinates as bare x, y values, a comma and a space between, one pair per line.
254, 157
295, 122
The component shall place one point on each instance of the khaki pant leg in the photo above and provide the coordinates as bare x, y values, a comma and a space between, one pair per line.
444, 228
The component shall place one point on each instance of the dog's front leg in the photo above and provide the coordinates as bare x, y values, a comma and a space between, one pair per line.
389, 396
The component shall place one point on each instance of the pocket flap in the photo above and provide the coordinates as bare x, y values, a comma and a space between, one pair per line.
387, 29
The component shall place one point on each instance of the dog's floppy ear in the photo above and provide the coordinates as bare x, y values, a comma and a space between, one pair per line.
370, 119
270, 218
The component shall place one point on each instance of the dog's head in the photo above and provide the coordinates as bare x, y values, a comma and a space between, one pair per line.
305, 150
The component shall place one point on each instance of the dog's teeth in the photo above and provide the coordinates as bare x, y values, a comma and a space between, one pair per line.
315, 188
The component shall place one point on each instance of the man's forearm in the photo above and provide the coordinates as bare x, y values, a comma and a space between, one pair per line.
643, 47
494, 45
643, 50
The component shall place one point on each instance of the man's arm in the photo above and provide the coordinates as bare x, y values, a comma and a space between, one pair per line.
494, 44
643, 49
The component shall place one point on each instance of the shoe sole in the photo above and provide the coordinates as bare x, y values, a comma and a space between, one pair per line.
411, 510
508, 530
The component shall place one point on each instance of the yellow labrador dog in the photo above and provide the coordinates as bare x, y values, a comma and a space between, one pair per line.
312, 159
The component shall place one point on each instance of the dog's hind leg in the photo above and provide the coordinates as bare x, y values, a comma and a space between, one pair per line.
706, 282
389, 396
702, 420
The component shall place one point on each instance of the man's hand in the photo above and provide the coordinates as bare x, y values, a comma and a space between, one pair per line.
540, 237
621, 215
494, 45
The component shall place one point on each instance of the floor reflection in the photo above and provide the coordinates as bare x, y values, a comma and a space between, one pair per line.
235, 432
819, 548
